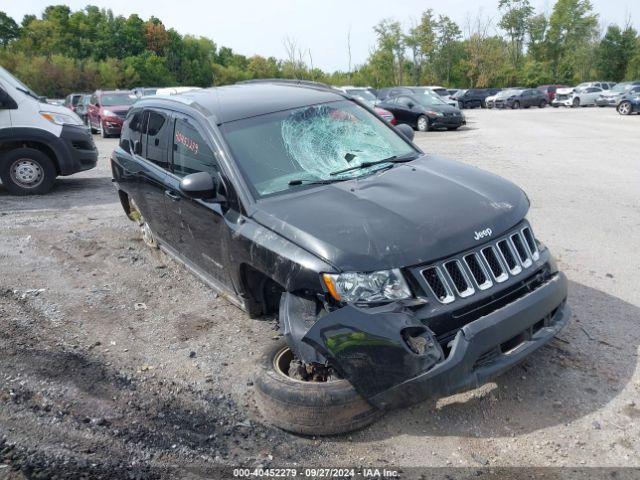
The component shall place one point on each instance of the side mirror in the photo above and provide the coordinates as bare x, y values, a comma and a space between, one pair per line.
406, 131
199, 185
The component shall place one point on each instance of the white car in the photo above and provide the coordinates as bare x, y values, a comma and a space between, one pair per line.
175, 90
578, 97
441, 92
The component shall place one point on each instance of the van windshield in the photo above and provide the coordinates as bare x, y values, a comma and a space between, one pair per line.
17, 84
284, 150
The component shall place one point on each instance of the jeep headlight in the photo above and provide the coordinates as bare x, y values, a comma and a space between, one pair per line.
374, 287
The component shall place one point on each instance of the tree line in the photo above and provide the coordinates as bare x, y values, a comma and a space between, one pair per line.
63, 51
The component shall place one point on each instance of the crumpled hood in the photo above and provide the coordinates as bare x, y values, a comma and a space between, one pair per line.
407, 215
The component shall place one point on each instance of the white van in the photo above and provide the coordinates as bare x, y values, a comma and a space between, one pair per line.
38, 140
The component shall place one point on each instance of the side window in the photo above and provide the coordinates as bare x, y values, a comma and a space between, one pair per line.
135, 126
94, 100
404, 101
191, 154
157, 139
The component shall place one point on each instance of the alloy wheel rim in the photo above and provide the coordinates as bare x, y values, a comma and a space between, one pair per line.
624, 108
26, 173
422, 124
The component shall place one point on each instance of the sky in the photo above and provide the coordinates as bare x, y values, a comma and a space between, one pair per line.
260, 27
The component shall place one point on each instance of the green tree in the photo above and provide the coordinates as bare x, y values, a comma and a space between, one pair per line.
391, 40
614, 52
572, 31
516, 15
449, 50
421, 40
9, 29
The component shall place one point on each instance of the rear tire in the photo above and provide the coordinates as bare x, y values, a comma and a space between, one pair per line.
543, 103
27, 171
103, 132
307, 408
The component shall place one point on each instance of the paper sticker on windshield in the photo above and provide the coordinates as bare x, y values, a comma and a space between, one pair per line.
187, 142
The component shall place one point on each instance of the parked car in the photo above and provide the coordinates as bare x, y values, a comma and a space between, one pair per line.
437, 91
475, 97
550, 91
38, 141
490, 101
522, 98
56, 101
580, 97
394, 275
82, 109
71, 101
611, 98
365, 95
108, 109
424, 112
144, 91
629, 103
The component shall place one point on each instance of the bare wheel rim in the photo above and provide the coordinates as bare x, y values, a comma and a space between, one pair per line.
26, 173
281, 363
624, 108
422, 124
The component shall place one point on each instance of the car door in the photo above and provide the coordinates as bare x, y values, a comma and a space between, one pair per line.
405, 106
200, 232
591, 94
145, 177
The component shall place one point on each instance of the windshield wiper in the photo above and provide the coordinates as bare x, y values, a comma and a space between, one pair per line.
308, 181
407, 157
30, 93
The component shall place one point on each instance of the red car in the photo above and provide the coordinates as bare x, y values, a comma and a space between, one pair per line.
107, 110
550, 90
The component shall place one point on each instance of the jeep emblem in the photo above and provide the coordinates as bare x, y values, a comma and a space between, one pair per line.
483, 233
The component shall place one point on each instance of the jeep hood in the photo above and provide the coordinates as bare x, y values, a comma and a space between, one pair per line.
409, 214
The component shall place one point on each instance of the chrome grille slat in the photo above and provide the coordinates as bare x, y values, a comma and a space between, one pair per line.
461, 276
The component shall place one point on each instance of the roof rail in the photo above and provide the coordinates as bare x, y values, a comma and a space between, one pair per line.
288, 81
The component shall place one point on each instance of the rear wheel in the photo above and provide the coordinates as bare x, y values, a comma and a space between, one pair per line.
423, 123
543, 103
147, 234
103, 131
307, 407
624, 108
27, 171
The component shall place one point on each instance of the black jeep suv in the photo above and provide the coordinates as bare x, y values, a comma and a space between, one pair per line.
394, 275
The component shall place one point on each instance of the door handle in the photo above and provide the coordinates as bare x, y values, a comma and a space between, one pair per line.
172, 195
156, 142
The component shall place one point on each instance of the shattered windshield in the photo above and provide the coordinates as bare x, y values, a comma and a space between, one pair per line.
283, 150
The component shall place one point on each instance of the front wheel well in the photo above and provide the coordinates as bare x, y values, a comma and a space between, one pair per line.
262, 293
42, 147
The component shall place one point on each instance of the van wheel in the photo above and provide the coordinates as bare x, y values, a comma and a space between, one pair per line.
305, 407
27, 171
423, 124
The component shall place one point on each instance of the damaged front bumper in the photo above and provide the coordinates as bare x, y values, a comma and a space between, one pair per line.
393, 360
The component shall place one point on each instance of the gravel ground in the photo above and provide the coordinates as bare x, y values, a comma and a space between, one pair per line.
116, 363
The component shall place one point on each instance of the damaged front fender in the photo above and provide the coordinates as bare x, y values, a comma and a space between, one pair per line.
374, 348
